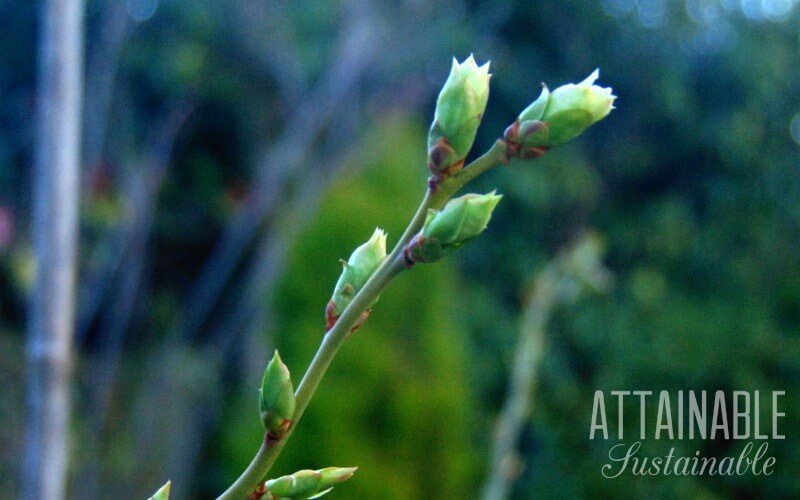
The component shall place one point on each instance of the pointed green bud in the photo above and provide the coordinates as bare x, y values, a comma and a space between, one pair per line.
309, 483
276, 400
459, 110
301, 484
461, 220
163, 492
356, 271
558, 116
536, 109
331, 476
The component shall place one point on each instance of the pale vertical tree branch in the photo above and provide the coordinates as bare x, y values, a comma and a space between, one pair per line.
524, 379
55, 225
575, 271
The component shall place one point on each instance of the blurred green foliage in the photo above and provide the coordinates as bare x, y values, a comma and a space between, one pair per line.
693, 182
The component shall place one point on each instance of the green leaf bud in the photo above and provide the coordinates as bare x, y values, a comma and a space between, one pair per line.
301, 484
163, 492
558, 116
461, 220
331, 476
535, 110
309, 483
276, 398
459, 110
356, 271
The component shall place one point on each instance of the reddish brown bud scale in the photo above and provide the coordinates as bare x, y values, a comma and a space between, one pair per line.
330, 315
280, 430
361, 320
512, 132
259, 493
408, 256
440, 156
515, 148
511, 137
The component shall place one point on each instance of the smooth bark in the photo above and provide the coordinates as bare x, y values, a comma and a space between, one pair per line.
55, 227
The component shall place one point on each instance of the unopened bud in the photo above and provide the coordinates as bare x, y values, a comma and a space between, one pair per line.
301, 484
276, 400
558, 116
331, 476
356, 271
461, 220
459, 110
309, 483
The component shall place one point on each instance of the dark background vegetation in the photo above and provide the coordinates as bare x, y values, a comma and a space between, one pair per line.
234, 151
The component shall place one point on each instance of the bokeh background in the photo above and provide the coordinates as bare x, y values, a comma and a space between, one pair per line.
234, 151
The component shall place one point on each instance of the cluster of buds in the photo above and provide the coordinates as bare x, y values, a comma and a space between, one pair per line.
461, 220
355, 272
558, 116
552, 119
276, 398
304, 484
459, 110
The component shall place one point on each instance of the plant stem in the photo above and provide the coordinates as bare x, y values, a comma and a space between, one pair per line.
436, 196
497, 155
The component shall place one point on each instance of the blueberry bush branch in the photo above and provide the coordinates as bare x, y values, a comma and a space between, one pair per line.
439, 226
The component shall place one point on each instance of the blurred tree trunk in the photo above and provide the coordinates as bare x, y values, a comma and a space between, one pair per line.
55, 224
